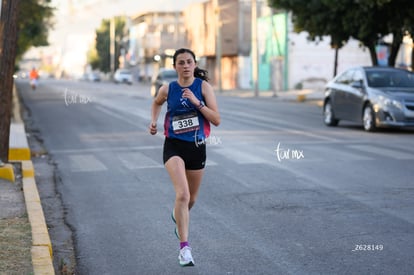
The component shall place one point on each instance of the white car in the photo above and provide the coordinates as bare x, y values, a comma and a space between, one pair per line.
123, 76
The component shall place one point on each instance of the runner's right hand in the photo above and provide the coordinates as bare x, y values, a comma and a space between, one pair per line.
153, 128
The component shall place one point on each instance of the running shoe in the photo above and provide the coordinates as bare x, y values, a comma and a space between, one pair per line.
185, 258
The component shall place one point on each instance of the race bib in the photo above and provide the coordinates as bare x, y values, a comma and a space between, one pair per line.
185, 123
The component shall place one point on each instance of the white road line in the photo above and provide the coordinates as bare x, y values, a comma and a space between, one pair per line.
85, 163
210, 162
138, 160
115, 115
236, 154
280, 124
328, 153
107, 149
383, 151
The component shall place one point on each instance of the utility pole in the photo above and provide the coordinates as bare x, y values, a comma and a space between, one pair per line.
8, 45
218, 25
255, 55
112, 45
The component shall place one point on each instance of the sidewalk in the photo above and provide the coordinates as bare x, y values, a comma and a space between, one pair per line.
312, 94
25, 246
15, 231
304, 95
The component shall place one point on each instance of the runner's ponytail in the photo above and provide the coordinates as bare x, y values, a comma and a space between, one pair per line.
200, 73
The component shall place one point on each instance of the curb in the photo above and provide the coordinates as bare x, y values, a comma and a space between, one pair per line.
301, 97
18, 147
7, 172
41, 250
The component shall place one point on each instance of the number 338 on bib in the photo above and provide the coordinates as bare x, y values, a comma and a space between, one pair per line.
185, 123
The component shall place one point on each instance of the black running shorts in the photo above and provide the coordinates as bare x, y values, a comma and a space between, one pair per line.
194, 156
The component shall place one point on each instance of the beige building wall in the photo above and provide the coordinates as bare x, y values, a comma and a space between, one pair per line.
229, 20
157, 34
201, 21
160, 31
195, 28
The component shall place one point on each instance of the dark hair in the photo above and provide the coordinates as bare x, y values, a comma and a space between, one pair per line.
200, 73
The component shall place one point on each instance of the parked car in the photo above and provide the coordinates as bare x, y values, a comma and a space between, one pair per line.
374, 96
94, 77
164, 76
123, 76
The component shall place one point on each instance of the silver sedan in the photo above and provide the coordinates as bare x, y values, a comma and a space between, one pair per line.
373, 96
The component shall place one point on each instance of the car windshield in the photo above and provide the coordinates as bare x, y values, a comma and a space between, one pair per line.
124, 72
390, 78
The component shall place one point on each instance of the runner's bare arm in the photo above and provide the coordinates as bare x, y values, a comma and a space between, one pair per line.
210, 110
156, 108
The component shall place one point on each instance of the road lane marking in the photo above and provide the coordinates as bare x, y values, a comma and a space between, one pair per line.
137, 160
117, 116
107, 149
390, 153
320, 152
236, 154
279, 124
85, 163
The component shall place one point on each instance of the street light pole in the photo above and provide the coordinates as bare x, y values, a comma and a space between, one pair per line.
112, 45
255, 55
218, 25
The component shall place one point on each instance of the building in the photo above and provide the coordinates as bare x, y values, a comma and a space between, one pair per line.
223, 31
153, 37
220, 34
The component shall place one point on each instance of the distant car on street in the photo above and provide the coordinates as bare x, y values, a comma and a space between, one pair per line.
164, 76
123, 76
94, 77
374, 96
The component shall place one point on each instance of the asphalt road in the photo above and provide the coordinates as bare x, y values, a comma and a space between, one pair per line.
282, 193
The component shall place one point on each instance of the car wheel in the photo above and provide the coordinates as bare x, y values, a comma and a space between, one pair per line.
368, 118
328, 115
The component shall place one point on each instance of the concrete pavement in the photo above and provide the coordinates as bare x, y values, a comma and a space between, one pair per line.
41, 250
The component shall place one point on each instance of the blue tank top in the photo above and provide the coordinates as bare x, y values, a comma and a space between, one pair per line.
183, 120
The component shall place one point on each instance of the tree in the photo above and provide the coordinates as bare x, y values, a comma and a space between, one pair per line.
368, 21
373, 20
103, 62
22, 24
8, 42
93, 58
34, 22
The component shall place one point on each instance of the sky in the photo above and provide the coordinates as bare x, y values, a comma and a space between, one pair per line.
86, 15
75, 23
